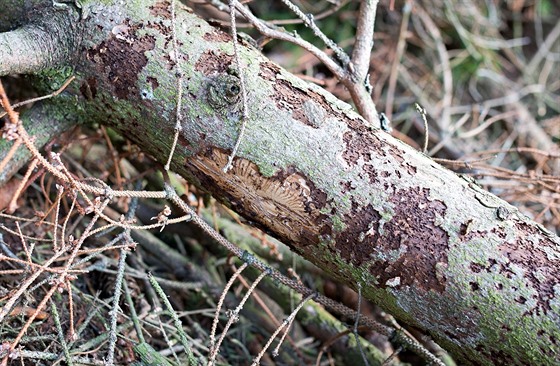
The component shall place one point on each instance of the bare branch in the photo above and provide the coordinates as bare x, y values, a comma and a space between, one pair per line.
308, 21
40, 46
364, 38
268, 31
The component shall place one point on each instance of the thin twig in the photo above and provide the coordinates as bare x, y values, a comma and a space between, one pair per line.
241, 75
357, 88
220, 303
308, 21
285, 324
114, 313
23, 329
221, 7
60, 333
361, 53
133, 314
9, 155
422, 112
178, 111
33, 100
267, 31
12, 206
13, 116
71, 332
178, 325
28, 282
444, 121
233, 317
355, 330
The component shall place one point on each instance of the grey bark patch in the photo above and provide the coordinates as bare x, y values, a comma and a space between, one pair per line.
291, 99
316, 115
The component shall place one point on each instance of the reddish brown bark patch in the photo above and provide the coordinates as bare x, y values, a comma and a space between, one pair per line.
268, 71
121, 61
292, 99
163, 28
217, 36
418, 245
357, 241
212, 62
542, 272
423, 245
359, 145
361, 142
161, 9
89, 88
497, 357
153, 81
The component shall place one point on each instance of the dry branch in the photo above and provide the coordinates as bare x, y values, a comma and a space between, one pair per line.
430, 247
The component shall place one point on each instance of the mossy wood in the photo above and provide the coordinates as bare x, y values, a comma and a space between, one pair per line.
430, 247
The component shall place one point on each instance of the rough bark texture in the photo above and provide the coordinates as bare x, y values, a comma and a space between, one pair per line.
430, 247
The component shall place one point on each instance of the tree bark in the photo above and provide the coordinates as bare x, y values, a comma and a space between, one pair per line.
430, 247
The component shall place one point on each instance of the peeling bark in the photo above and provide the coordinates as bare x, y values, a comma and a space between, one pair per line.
430, 247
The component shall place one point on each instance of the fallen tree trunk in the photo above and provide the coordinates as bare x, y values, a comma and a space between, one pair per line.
430, 247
